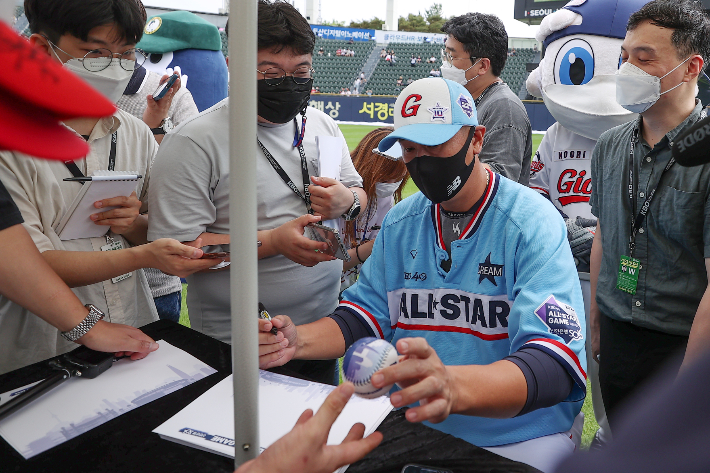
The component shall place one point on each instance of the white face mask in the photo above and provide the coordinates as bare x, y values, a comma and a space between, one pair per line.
386, 189
455, 74
637, 90
111, 82
588, 110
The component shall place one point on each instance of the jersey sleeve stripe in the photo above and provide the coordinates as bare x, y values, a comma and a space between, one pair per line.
365, 315
437, 328
566, 356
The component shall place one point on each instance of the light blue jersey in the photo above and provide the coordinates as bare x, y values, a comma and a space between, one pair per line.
512, 283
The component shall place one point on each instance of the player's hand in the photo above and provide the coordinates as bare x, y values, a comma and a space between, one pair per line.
330, 198
304, 449
156, 112
172, 257
276, 350
123, 340
423, 377
121, 219
288, 240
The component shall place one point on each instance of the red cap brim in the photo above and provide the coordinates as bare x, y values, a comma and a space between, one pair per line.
33, 76
31, 130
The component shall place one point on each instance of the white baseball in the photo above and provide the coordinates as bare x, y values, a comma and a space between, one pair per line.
363, 359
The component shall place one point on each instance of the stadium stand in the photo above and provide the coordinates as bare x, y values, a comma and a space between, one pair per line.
515, 73
335, 72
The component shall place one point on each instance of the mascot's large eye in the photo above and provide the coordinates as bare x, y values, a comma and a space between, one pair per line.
158, 62
574, 64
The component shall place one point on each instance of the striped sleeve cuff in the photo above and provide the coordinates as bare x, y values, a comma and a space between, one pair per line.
562, 353
366, 317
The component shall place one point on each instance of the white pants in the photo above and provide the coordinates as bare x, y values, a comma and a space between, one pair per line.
593, 367
544, 453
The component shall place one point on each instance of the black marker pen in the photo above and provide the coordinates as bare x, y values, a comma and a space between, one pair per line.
263, 314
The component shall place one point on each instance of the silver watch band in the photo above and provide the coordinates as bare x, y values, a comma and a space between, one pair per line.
85, 325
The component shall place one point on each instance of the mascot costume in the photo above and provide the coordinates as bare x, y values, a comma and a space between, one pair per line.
576, 80
183, 39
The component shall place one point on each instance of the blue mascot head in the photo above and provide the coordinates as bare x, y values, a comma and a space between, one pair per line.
181, 38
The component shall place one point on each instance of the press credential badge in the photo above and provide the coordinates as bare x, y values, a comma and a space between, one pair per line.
628, 277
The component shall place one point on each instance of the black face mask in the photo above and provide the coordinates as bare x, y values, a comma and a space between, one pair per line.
440, 179
280, 103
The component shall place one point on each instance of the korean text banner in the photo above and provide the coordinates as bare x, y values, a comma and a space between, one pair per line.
337, 32
355, 109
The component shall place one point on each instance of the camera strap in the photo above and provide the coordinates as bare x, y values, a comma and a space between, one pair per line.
306, 195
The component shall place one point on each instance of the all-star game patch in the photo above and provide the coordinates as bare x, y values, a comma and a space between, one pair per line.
561, 319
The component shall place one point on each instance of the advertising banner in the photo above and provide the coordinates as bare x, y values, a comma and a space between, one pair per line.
408, 37
366, 109
337, 32
361, 108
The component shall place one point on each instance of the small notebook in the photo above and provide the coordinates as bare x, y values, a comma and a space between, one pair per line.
76, 222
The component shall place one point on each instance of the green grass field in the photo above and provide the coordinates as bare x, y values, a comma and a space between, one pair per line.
353, 134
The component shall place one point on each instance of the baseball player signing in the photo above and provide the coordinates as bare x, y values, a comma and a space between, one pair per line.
473, 281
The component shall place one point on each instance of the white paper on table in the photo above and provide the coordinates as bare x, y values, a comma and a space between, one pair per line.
78, 405
207, 423
330, 157
7, 396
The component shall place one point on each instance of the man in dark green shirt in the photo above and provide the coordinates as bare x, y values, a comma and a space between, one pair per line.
649, 259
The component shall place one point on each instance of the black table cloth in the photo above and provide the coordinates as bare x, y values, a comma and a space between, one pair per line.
127, 443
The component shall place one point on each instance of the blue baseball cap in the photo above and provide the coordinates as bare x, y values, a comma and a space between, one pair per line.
430, 112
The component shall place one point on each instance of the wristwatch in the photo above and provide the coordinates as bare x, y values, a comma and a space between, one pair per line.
85, 325
165, 127
354, 210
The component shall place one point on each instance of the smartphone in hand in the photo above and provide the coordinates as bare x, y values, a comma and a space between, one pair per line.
165, 87
336, 248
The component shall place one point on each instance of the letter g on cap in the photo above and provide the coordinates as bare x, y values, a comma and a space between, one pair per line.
411, 110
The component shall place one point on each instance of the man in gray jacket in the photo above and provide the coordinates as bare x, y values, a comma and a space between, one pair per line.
474, 56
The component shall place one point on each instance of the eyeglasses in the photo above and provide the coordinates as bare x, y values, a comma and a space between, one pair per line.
99, 59
273, 76
446, 57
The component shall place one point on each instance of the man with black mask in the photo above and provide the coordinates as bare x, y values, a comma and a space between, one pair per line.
191, 184
474, 281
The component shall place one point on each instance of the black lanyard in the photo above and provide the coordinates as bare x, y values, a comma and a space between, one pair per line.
485, 91
76, 172
306, 196
637, 221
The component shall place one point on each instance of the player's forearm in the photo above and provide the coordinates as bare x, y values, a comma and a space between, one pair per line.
498, 390
26, 279
320, 340
81, 268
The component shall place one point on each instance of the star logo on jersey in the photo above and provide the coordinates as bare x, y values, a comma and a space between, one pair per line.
560, 318
490, 271
437, 112
413, 253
